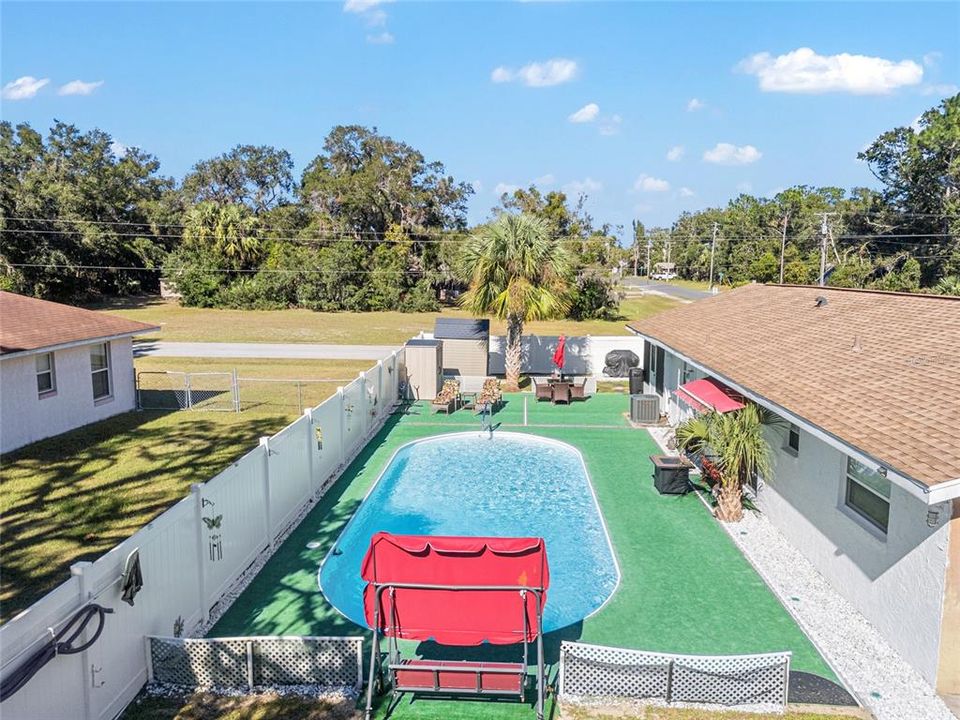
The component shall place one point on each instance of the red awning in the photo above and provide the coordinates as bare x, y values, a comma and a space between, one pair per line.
464, 614
708, 394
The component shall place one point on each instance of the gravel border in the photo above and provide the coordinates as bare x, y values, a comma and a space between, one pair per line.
872, 670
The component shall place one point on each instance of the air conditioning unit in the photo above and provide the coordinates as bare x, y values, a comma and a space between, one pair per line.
645, 409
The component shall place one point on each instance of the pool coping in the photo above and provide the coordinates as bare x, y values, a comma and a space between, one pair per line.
475, 433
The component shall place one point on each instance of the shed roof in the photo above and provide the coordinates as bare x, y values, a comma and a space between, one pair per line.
877, 370
30, 325
461, 329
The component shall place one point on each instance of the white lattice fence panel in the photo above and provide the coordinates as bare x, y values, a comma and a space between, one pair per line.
330, 662
199, 663
598, 671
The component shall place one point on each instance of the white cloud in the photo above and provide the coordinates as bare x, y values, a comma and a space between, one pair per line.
119, 149
932, 59
941, 89
583, 187
23, 88
675, 153
362, 6
384, 38
538, 74
694, 104
588, 113
728, 154
745, 187
916, 126
646, 183
79, 87
804, 71
686, 192
477, 186
503, 187
547, 179
611, 125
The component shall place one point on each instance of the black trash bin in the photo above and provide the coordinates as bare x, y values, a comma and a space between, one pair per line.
671, 475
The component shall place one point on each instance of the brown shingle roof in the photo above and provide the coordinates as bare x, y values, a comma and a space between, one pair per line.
27, 324
880, 371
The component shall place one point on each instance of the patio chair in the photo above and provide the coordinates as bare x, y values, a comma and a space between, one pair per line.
447, 399
543, 390
561, 393
578, 391
490, 396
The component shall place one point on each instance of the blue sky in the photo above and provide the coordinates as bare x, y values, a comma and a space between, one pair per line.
493, 89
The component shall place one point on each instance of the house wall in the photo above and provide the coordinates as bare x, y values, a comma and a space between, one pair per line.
25, 417
948, 678
897, 582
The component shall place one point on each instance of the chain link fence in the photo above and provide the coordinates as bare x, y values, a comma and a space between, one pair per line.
229, 392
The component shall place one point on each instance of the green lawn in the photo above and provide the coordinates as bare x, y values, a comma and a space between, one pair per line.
369, 328
685, 587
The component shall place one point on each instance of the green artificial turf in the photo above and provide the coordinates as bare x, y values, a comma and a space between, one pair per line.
685, 587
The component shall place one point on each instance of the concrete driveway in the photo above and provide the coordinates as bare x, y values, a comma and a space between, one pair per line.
296, 351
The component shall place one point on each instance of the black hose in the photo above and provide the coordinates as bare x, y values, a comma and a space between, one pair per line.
56, 645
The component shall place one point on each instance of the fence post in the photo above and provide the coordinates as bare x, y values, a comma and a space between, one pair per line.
381, 403
236, 391
79, 569
249, 645
196, 490
311, 450
299, 397
364, 404
265, 444
189, 393
342, 425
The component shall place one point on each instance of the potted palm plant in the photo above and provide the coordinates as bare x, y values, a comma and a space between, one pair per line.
736, 449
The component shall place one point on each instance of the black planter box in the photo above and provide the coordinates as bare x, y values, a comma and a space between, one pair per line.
671, 475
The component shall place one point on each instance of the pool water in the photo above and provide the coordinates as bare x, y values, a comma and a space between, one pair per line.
469, 484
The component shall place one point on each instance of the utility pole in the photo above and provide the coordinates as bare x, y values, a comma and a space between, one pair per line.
824, 237
783, 243
649, 248
713, 249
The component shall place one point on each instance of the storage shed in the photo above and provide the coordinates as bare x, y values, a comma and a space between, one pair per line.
424, 366
466, 345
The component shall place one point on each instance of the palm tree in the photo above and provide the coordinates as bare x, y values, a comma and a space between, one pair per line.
517, 271
227, 230
736, 439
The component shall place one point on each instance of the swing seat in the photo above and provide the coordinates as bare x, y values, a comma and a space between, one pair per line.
459, 676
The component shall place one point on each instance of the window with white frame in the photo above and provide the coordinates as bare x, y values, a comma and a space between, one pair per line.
46, 374
867, 493
100, 370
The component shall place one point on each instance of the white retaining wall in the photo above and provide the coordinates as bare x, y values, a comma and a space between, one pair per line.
188, 563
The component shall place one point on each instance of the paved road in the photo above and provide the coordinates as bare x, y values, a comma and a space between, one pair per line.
297, 351
674, 291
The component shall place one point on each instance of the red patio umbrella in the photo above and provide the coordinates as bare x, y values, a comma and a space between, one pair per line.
559, 353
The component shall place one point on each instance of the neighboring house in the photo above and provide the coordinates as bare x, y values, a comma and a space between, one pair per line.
867, 465
61, 367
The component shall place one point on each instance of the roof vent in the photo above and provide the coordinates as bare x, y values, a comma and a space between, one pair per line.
821, 301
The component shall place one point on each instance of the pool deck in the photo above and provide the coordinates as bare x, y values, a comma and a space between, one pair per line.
685, 587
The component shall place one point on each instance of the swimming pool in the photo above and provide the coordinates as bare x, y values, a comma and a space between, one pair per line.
470, 484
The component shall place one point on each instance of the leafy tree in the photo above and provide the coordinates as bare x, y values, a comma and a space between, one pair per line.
595, 297
70, 204
518, 272
259, 177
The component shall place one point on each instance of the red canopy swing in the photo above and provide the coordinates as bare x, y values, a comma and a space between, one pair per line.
455, 591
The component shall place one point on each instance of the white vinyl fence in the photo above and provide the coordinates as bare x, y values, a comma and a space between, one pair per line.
597, 671
189, 555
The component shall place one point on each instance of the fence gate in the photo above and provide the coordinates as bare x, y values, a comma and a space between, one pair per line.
171, 390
